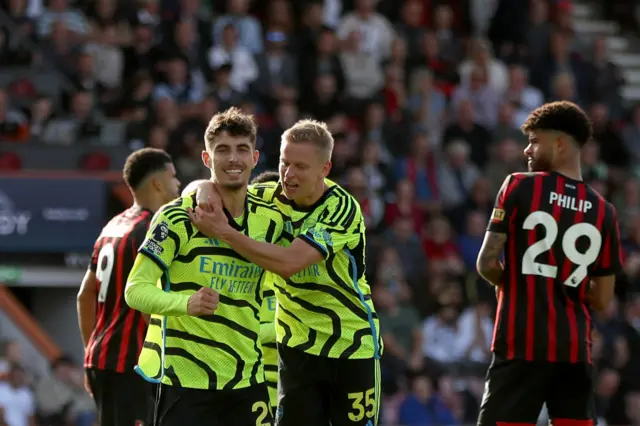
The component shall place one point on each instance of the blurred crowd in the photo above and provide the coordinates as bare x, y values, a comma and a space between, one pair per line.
424, 98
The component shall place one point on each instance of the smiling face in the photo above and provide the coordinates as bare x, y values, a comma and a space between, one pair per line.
302, 171
231, 160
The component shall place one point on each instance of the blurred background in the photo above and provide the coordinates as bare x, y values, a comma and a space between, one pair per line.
424, 98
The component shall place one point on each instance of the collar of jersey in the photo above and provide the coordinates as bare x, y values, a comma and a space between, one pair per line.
245, 214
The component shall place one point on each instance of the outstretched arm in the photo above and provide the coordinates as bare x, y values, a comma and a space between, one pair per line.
284, 261
488, 263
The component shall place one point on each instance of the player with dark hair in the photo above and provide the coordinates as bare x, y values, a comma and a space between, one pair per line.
209, 366
561, 254
112, 333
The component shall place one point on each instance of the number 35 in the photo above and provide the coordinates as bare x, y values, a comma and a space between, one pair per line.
359, 412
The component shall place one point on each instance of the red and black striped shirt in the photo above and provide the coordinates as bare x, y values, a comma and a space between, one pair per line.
119, 333
560, 232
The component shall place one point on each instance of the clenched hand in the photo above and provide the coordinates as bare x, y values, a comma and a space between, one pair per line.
203, 302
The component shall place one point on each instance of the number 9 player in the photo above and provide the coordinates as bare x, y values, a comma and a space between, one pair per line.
113, 333
561, 253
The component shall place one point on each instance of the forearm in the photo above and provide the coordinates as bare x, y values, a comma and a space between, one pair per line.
143, 295
488, 264
268, 256
492, 272
86, 317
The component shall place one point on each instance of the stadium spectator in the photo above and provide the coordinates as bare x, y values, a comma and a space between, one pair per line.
16, 399
61, 397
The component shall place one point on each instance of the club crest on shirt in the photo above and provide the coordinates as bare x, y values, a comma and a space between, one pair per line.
497, 215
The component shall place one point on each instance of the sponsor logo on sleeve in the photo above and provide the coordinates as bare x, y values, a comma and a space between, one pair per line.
497, 215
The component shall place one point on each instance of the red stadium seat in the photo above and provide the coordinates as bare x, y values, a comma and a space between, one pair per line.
96, 162
10, 161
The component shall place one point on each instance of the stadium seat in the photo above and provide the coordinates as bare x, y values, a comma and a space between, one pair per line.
95, 162
10, 161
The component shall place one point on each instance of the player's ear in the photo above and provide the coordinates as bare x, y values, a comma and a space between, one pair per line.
256, 157
326, 169
206, 159
156, 182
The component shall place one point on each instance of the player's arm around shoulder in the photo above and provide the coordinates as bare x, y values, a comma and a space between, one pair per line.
488, 263
608, 265
169, 231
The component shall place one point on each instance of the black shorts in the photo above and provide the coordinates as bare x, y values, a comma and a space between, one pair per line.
515, 391
319, 391
197, 407
122, 399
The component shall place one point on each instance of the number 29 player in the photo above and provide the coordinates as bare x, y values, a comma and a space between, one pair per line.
560, 240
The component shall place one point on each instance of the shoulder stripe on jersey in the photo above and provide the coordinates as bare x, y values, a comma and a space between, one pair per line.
175, 203
174, 214
345, 217
209, 251
333, 316
342, 207
253, 199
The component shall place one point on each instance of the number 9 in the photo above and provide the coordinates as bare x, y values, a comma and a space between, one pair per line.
107, 257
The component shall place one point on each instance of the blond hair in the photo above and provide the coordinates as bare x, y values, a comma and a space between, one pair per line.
311, 131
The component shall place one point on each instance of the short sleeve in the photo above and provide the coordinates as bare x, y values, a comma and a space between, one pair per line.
93, 263
610, 260
504, 206
166, 234
340, 225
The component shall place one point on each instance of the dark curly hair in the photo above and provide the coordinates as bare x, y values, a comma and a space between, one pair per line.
563, 116
143, 163
232, 121
268, 176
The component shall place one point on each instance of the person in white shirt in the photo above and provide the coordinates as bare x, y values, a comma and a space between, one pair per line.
376, 32
244, 70
16, 399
